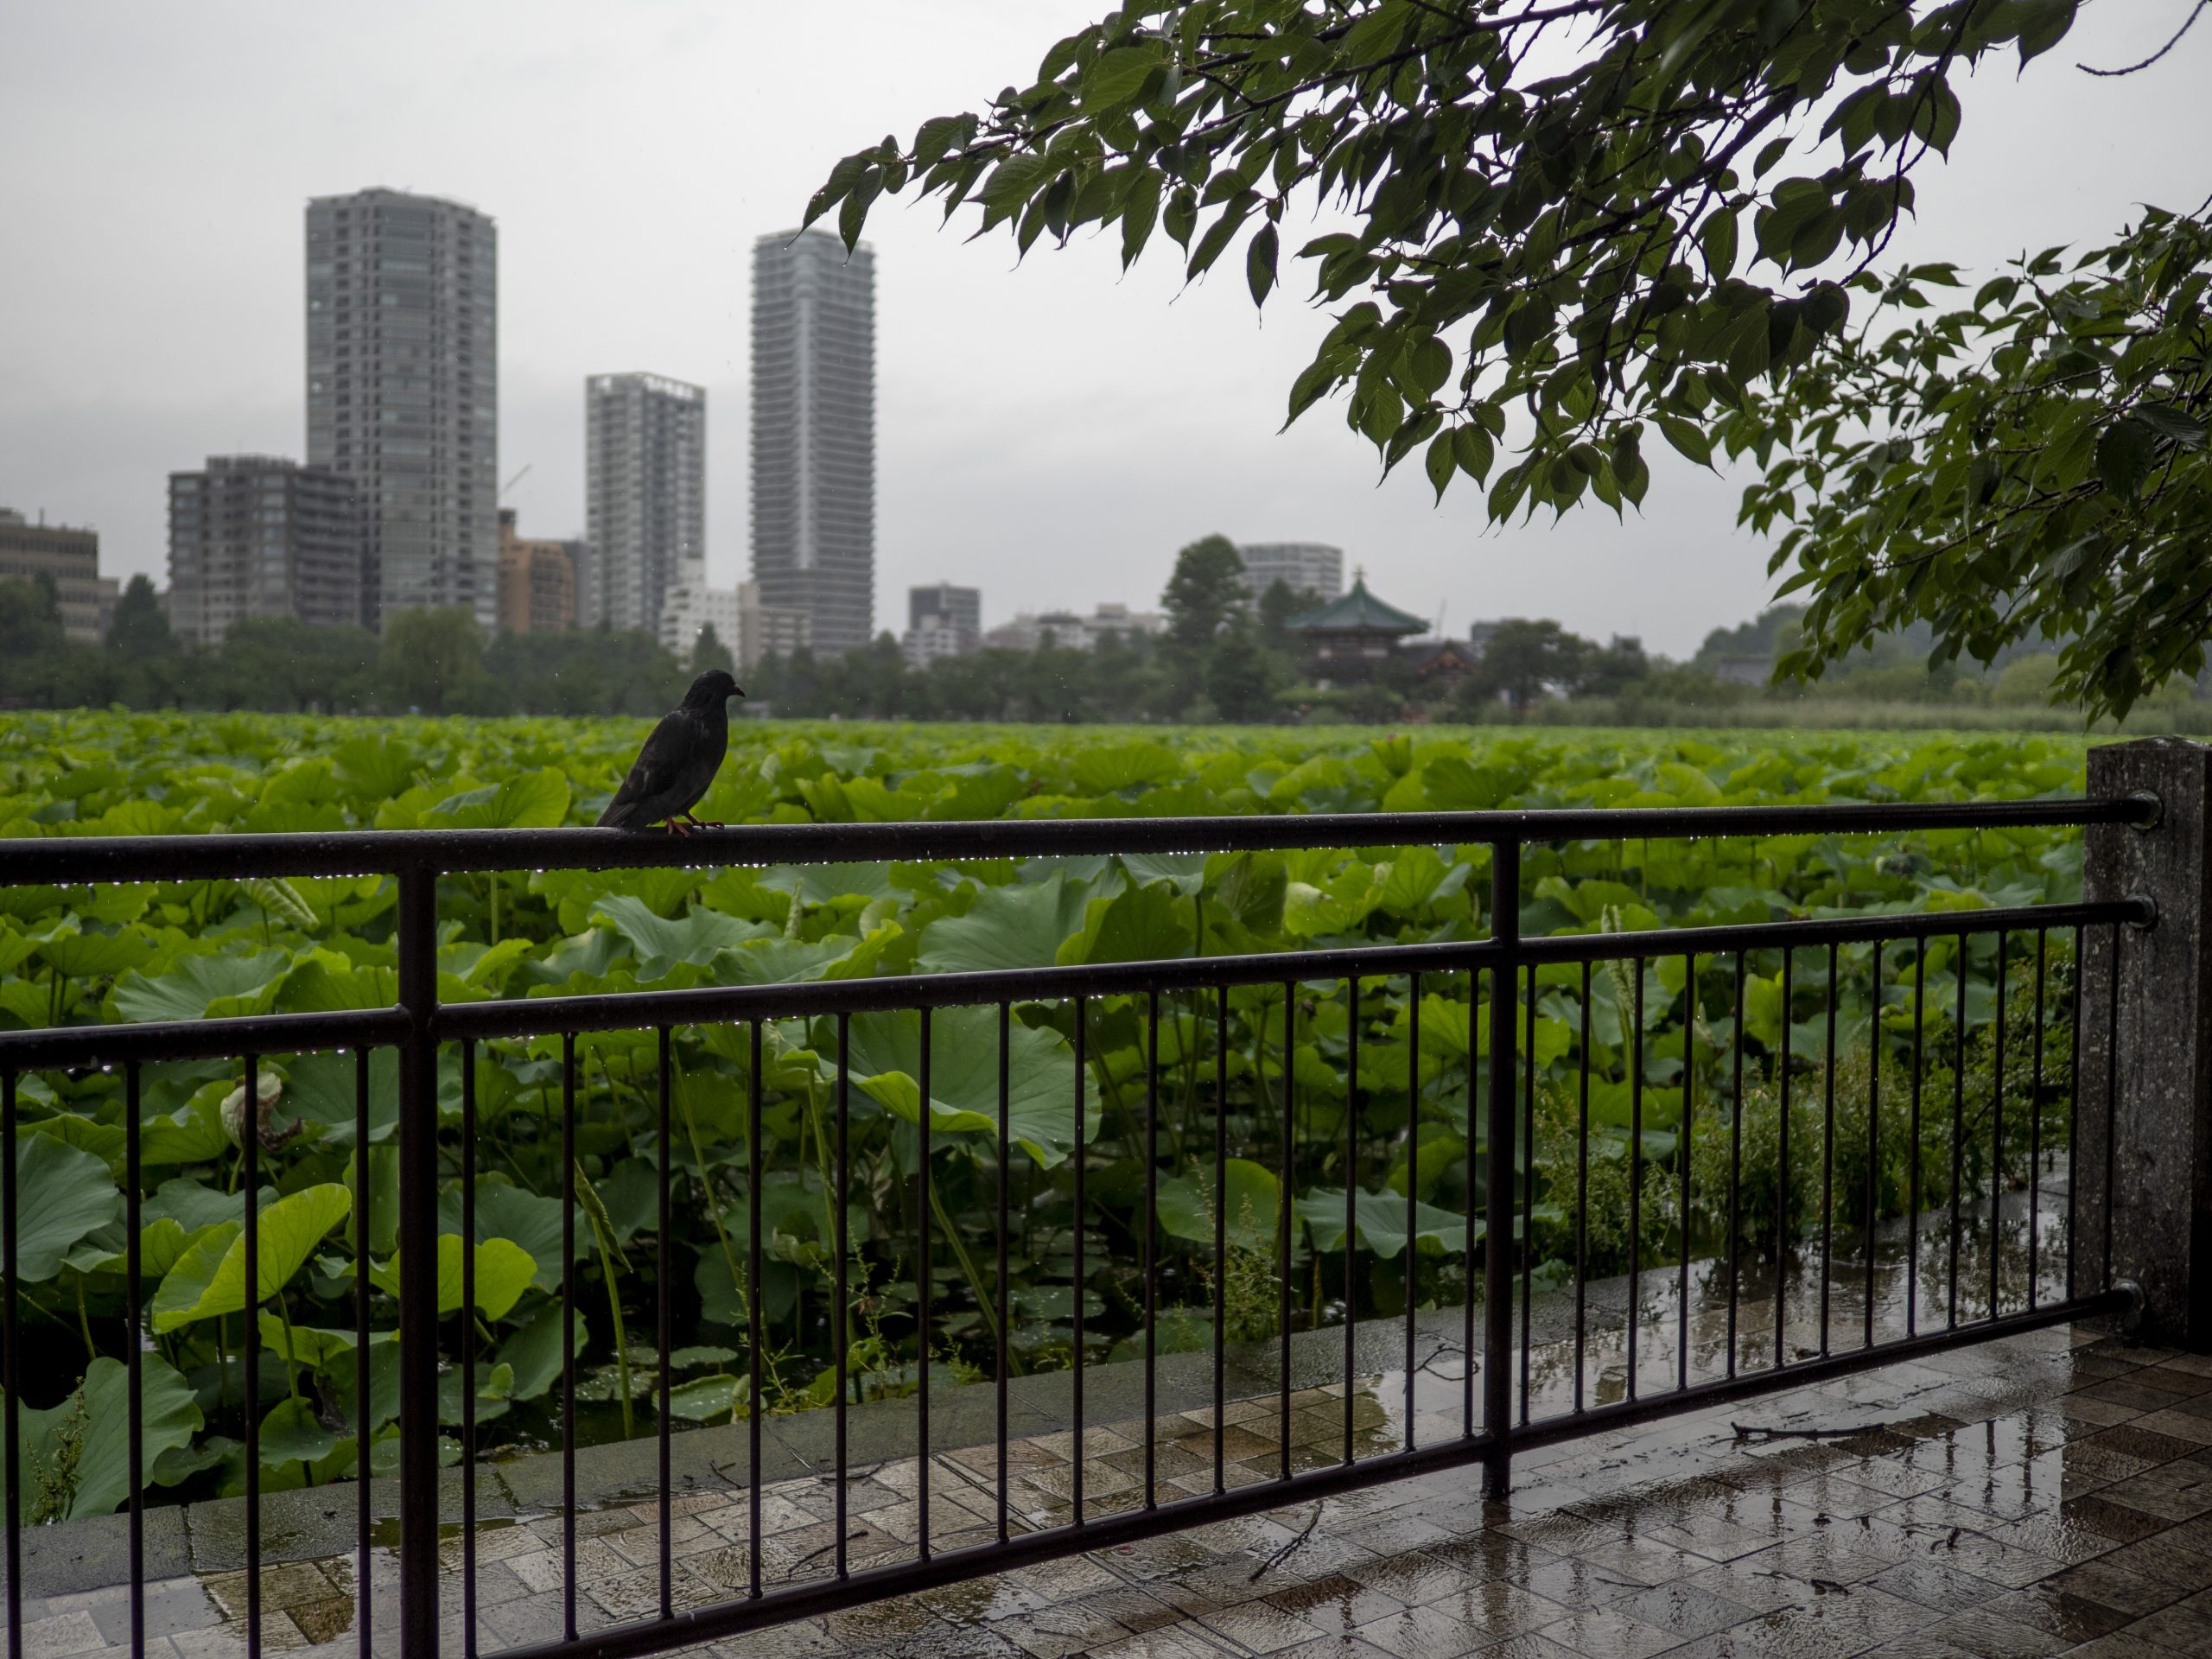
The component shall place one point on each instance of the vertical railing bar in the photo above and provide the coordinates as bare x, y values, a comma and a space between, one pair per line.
1958, 1129
925, 1276
468, 1335
1497, 1263
664, 1312
1283, 1216
1683, 1152
2111, 1095
569, 1335
1082, 1161
999, 1290
1997, 1137
1912, 1203
1412, 1182
755, 1335
1468, 1367
2074, 1113
1635, 1169
840, 1288
1351, 1203
10, 1362
1527, 1186
415, 937
135, 1385
1828, 1159
250, 1343
361, 1390
1876, 1053
1782, 1185
1582, 1200
2035, 1126
1220, 1237
1736, 1163
1150, 1254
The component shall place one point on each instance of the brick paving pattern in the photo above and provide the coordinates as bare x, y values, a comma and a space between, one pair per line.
2050, 1493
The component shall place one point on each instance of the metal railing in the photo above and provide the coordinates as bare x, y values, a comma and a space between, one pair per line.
1509, 1410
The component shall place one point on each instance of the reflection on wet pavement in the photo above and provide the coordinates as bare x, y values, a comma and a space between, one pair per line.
2027, 1496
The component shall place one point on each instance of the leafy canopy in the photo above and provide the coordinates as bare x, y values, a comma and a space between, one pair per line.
2032, 464
1556, 206
1604, 216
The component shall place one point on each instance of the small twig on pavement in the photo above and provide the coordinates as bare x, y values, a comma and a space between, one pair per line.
1285, 1552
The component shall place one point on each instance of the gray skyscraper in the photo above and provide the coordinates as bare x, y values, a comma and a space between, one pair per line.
645, 496
813, 434
403, 391
261, 536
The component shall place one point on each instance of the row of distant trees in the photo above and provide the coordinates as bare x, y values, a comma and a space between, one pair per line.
431, 662
1224, 656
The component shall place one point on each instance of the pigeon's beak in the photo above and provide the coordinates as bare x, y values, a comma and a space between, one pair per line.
737, 691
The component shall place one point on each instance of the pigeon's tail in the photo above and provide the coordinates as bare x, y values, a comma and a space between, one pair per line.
620, 814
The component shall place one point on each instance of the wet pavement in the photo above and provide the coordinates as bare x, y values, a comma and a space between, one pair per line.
2047, 1492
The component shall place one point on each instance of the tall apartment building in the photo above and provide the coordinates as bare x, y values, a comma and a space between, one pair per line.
403, 390
1304, 567
537, 580
262, 535
71, 558
813, 434
646, 495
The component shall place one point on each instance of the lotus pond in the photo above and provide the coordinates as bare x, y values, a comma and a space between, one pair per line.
184, 950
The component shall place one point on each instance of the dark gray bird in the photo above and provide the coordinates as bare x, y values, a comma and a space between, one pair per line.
678, 762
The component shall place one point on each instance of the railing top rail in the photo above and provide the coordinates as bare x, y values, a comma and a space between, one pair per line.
67, 861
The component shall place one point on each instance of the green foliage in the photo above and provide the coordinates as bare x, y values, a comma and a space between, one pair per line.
431, 659
1559, 209
327, 1207
2028, 466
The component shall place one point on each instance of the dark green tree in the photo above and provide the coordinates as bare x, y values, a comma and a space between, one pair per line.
1608, 216
1242, 676
709, 651
1277, 606
139, 628
1205, 590
1525, 659
1609, 669
431, 659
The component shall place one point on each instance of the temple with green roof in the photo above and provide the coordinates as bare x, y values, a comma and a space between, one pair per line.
1347, 638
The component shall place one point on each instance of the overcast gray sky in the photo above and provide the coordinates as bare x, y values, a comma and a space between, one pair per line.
1051, 433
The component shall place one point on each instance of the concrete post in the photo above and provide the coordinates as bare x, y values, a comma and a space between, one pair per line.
2144, 1120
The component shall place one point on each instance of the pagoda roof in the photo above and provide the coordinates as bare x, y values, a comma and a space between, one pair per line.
1358, 610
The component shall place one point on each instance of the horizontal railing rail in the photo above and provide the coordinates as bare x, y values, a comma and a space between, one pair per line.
63, 860
1497, 1406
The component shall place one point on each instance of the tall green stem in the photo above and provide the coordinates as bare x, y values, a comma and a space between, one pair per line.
975, 1279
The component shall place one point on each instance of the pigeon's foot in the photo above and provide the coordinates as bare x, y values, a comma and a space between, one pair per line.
675, 828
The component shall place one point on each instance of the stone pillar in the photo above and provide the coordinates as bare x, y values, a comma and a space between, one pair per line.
2144, 1124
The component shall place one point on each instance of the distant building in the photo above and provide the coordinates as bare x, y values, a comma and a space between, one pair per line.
767, 630
695, 606
813, 434
1348, 638
71, 557
403, 391
1479, 635
1442, 661
262, 536
537, 582
942, 621
1303, 567
645, 494
1067, 631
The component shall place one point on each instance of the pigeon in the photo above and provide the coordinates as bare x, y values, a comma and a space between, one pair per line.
678, 761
